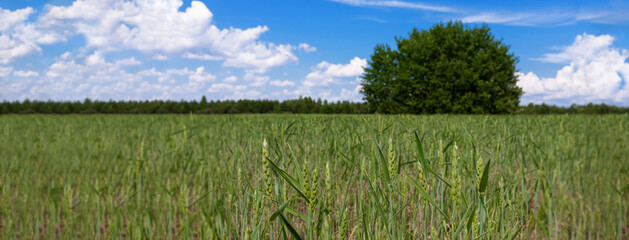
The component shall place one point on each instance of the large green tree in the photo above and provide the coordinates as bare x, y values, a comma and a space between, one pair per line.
450, 68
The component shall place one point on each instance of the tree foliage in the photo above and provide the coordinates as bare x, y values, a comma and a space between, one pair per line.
449, 68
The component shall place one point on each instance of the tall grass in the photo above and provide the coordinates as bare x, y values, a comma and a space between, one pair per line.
314, 177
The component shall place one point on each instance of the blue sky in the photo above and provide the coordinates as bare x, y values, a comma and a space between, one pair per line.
569, 51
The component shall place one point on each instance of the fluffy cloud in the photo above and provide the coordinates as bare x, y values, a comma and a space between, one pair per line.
596, 72
217, 87
5, 71
26, 74
279, 83
230, 79
307, 48
344, 76
19, 38
255, 80
326, 73
206, 57
128, 62
74, 77
159, 28
13, 42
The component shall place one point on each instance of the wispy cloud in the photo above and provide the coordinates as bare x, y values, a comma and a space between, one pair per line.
546, 18
538, 17
397, 4
373, 19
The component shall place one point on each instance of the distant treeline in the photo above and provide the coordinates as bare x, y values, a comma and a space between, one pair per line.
573, 109
300, 105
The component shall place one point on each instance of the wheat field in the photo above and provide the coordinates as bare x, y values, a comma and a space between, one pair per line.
314, 177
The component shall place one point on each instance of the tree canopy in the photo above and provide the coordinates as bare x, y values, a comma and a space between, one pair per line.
450, 68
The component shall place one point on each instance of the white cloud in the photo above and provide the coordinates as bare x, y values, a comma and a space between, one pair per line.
128, 62
596, 72
261, 57
255, 80
158, 27
217, 87
279, 83
326, 73
352, 95
5, 71
160, 57
77, 77
200, 75
307, 48
19, 38
11, 19
25, 74
13, 44
206, 57
230, 79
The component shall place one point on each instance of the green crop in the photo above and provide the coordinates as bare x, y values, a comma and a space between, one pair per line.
314, 177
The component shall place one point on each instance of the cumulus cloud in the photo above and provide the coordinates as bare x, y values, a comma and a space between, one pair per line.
5, 71
217, 87
279, 83
13, 42
25, 74
128, 62
201, 56
158, 27
595, 72
19, 38
160, 57
326, 73
230, 79
74, 77
307, 48
345, 77
255, 80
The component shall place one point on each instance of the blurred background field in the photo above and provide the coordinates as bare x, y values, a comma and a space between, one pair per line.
324, 177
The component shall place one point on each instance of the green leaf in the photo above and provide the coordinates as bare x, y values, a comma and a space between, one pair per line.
420, 151
423, 161
295, 213
483, 180
466, 215
470, 221
290, 180
430, 200
290, 227
278, 211
516, 232
286, 223
383, 165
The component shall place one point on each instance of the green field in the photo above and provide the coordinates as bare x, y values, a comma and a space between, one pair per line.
325, 177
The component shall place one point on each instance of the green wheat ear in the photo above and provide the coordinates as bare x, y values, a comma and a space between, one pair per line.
267, 169
328, 185
456, 181
479, 171
442, 160
313, 192
421, 177
391, 155
343, 230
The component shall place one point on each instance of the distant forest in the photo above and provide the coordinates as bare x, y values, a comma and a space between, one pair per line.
304, 105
